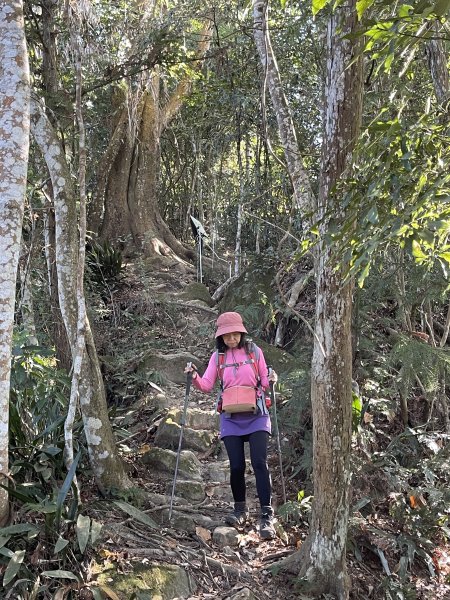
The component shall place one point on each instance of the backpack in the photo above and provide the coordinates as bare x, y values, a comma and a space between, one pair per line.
252, 351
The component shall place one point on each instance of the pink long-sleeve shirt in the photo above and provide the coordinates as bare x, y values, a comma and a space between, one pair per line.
242, 374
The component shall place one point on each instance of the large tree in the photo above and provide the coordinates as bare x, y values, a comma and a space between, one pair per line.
321, 561
128, 175
14, 143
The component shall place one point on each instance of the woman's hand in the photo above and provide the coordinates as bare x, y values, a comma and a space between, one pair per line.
273, 376
191, 368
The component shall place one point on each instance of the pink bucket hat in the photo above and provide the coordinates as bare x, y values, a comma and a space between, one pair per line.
229, 322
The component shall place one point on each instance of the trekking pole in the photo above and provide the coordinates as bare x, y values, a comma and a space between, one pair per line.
277, 433
182, 423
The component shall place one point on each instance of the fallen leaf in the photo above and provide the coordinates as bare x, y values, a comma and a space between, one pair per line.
143, 449
368, 418
417, 501
203, 533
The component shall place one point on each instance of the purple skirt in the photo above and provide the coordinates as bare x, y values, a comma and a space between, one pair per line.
243, 424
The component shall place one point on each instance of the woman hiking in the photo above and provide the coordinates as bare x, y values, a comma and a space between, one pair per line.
241, 369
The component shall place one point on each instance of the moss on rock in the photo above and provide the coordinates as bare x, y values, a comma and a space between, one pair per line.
155, 582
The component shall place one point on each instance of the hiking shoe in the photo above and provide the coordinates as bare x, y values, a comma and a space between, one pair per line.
266, 523
239, 515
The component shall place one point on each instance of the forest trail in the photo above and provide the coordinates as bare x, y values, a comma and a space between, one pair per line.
206, 558
162, 318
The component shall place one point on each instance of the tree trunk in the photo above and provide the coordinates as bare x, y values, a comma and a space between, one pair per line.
304, 200
131, 191
58, 330
238, 240
14, 144
57, 103
321, 561
303, 194
437, 64
108, 469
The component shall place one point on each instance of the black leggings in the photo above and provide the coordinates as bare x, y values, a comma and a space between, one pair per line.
258, 455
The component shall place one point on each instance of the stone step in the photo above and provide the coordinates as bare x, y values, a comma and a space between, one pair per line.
164, 461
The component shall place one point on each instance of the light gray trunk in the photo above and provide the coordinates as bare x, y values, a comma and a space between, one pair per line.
304, 199
79, 346
14, 144
331, 388
303, 194
238, 241
321, 560
107, 467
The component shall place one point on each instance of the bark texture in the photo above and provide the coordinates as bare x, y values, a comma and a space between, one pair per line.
321, 561
437, 64
304, 196
106, 464
14, 143
128, 189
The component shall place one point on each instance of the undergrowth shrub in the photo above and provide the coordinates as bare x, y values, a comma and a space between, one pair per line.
104, 264
48, 528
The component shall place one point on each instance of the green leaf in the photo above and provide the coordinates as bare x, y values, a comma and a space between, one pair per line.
96, 528
65, 488
317, 5
441, 7
417, 251
60, 545
83, 529
405, 10
445, 256
60, 574
363, 275
136, 514
13, 566
19, 528
362, 6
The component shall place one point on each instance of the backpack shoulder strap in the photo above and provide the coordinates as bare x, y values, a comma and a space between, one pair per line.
253, 353
220, 363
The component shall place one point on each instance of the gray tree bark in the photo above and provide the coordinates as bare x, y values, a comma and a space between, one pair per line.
321, 561
14, 144
107, 467
129, 183
303, 194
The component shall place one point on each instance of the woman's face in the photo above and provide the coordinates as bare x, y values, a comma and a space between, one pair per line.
232, 340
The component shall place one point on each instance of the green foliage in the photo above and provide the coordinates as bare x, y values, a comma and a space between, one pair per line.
44, 508
399, 194
357, 406
39, 393
104, 263
416, 465
296, 424
297, 511
317, 5
418, 360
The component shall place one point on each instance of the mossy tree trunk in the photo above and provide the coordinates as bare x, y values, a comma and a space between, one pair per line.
128, 185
